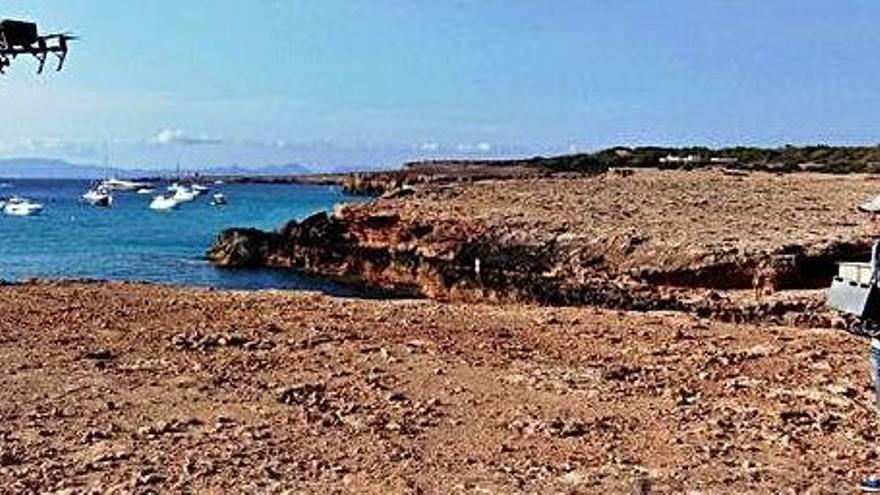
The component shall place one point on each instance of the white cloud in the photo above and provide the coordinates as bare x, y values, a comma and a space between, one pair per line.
166, 136
430, 146
474, 148
171, 136
176, 136
51, 147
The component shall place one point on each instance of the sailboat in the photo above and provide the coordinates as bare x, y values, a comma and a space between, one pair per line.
113, 183
122, 185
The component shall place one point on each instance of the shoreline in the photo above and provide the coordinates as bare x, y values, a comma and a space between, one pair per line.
130, 241
347, 288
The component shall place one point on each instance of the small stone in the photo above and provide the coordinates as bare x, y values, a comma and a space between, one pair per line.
573, 429
99, 355
148, 476
395, 397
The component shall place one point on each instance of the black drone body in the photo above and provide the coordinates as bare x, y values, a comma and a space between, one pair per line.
21, 38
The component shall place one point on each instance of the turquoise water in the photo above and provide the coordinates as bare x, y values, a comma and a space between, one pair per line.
131, 242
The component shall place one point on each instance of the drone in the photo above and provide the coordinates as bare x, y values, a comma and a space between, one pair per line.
21, 38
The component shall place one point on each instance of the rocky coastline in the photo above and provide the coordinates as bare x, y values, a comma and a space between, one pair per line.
454, 242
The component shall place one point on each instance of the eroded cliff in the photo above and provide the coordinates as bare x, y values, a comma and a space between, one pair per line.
695, 241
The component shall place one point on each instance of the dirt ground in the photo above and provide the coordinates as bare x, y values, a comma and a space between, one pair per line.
133, 388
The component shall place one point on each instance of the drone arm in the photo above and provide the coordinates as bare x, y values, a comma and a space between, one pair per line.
39, 50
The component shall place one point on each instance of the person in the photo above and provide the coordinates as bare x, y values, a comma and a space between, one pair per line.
875, 368
871, 484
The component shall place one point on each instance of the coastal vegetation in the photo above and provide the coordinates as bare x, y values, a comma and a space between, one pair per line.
785, 159
816, 158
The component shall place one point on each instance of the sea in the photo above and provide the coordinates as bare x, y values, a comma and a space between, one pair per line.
130, 242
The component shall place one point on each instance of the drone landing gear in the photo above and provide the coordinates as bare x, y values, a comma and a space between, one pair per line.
42, 51
20, 38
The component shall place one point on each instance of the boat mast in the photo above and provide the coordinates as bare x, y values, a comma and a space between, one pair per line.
106, 160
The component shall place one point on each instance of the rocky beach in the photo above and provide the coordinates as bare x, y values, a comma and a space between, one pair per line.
125, 388
626, 331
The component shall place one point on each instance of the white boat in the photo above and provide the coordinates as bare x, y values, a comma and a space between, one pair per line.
145, 190
122, 185
98, 196
21, 207
199, 189
219, 199
182, 194
166, 202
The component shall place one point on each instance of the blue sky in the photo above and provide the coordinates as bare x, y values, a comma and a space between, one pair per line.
336, 83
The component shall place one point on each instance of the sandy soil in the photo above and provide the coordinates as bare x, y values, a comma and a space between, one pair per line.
128, 388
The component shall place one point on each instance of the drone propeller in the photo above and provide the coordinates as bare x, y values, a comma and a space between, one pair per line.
61, 36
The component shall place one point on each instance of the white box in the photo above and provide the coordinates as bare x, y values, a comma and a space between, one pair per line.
855, 271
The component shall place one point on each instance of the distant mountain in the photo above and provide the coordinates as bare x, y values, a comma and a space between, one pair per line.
286, 169
47, 168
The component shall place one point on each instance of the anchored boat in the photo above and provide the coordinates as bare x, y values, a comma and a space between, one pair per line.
181, 193
219, 199
21, 207
98, 196
122, 185
164, 202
